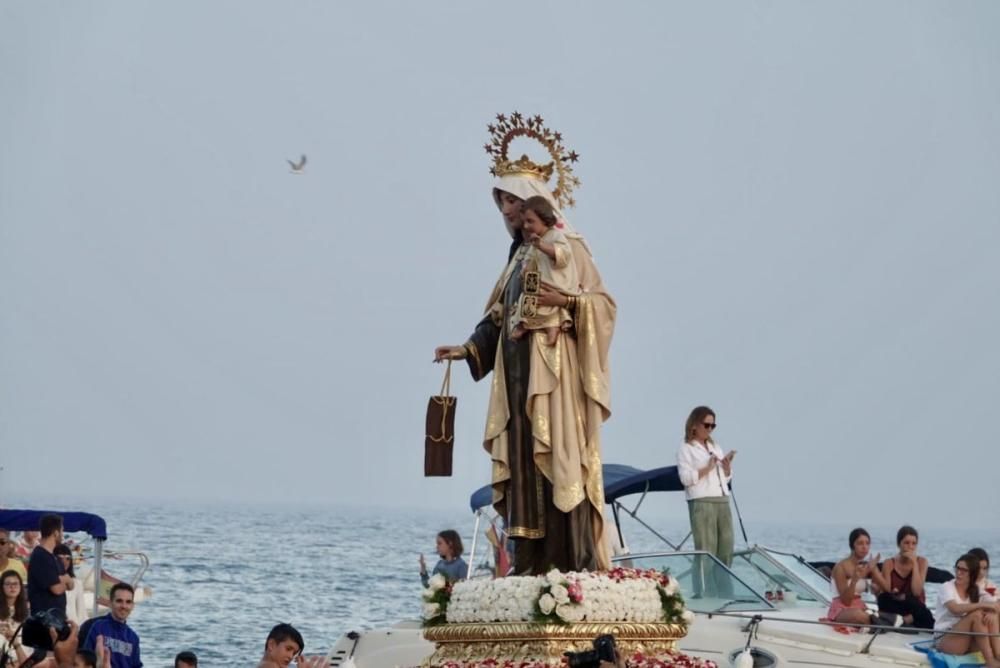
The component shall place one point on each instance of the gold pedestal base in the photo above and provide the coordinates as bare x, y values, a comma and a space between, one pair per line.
542, 643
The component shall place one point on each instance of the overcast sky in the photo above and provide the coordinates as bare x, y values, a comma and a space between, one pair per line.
795, 204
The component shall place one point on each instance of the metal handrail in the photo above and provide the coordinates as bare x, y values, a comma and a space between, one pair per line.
786, 620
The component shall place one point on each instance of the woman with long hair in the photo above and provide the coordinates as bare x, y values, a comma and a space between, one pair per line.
904, 576
852, 577
13, 612
961, 608
705, 473
450, 565
76, 607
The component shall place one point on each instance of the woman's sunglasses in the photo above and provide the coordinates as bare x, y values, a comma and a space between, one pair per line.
708, 425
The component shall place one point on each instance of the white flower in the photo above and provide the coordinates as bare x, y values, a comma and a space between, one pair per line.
546, 604
569, 612
437, 582
554, 577
687, 616
672, 587
559, 593
431, 610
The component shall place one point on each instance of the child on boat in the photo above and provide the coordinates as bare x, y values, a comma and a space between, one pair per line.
450, 565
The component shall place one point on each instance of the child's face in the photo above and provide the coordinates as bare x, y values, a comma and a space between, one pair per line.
442, 548
282, 652
532, 224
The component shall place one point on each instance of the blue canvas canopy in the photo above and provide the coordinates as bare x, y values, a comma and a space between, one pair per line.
619, 481
27, 520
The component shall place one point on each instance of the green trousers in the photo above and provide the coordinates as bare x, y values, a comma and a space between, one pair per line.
712, 529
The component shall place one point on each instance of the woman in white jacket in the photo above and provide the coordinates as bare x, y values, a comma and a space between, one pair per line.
705, 473
76, 608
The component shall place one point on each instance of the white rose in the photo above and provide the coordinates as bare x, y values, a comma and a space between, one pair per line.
559, 593
554, 576
569, 612
431, 610
546, 604
437, 581
687, 616
672, 587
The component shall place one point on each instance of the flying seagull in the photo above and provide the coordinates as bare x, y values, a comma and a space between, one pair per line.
298, 167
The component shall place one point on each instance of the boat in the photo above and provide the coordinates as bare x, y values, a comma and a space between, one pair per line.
736, 607
88, 559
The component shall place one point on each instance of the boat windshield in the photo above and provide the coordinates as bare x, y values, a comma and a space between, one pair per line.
768, 570
706, 584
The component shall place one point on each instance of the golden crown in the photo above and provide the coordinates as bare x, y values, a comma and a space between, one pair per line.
507, 129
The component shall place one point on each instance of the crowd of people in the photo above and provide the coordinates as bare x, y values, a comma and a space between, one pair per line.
40, 591
967, 603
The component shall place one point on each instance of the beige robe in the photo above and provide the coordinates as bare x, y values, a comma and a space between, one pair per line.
568, 398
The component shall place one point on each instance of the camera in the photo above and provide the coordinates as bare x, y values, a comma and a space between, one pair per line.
35, 630
604, 650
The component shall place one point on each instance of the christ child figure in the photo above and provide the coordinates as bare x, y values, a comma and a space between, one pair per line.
548, 259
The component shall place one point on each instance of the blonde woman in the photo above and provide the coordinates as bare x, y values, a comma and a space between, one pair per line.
705, 473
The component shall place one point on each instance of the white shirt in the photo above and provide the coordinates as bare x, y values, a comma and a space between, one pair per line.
945, 618
693, 456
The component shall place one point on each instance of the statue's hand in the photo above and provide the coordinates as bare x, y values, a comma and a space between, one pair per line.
442, 353
549, 296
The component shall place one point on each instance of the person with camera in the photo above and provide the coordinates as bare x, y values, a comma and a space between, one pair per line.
605, 654
116, 636
47, 582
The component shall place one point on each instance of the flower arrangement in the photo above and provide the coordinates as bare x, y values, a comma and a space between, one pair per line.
619, 595
436, 597
560, 601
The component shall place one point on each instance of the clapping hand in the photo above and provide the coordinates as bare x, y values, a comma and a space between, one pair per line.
423, 564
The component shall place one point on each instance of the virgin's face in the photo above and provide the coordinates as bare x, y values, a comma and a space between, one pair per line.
510, 207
